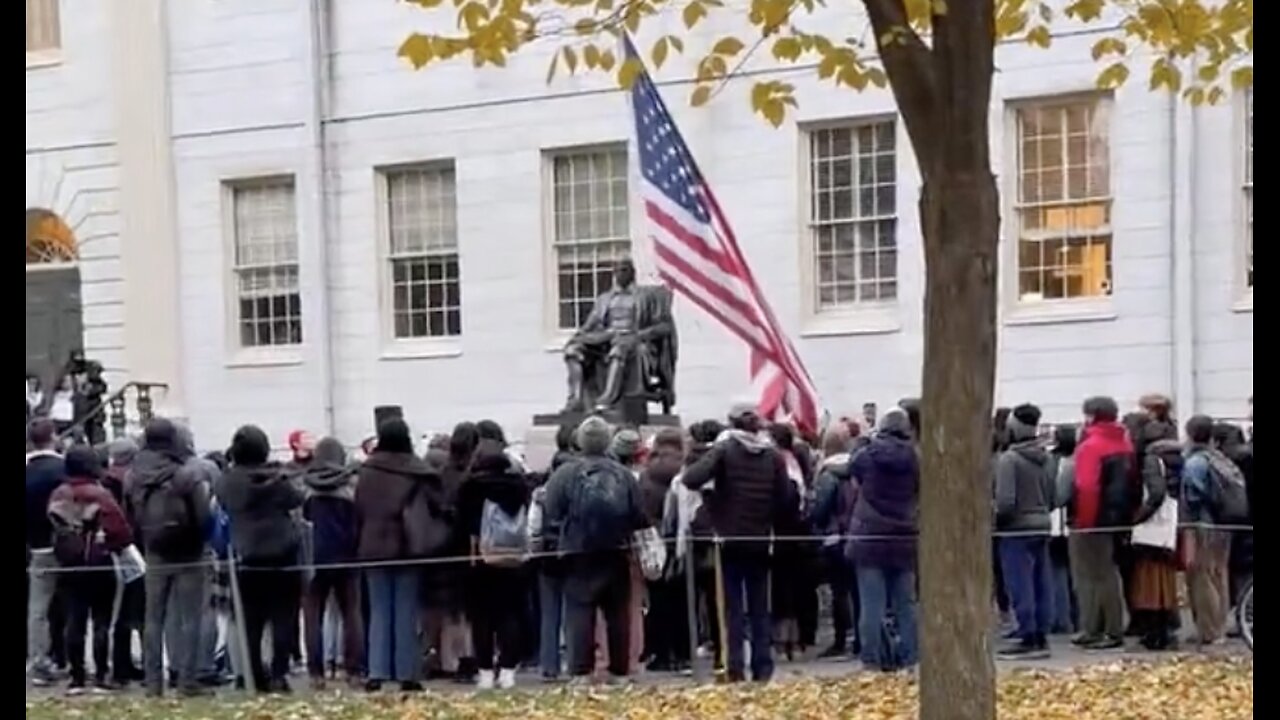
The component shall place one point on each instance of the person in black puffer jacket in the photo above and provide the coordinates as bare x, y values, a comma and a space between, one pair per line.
331, 509
260, 498
751, 487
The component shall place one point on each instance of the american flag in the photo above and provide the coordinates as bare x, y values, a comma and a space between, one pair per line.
697, 256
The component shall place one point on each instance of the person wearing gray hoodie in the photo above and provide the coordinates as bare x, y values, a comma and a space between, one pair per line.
1024, 492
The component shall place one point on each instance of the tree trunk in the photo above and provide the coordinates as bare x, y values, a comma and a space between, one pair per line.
959, 210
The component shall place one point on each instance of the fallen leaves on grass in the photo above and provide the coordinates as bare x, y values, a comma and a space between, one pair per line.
1187, 689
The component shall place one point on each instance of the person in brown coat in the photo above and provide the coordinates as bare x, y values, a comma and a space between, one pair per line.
388, 479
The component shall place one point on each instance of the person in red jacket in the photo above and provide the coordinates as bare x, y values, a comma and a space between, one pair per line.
90, 589
1102, 495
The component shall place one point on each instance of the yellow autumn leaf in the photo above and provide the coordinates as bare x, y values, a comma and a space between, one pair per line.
660, 52
1242, 77
570, 59
1114, 76
628, 72
693, 12
417, 49
787, 48
727, 46
700, 96
1039, 36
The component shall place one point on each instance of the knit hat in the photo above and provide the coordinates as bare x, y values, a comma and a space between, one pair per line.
626, 445
82, 462
121, 452
594, 435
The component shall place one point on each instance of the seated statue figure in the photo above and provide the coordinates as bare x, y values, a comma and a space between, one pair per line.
626, 348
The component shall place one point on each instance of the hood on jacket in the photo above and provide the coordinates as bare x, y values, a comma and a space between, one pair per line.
892, 453
1031, 450
330, 469
398, 463
257, 479
751, 442
162, 436
152, 467
1111, 432
497, 477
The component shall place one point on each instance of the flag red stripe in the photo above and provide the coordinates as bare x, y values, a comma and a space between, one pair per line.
712, 288
697, 299
693, 241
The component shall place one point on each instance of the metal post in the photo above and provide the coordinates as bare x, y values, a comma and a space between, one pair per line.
237, 607
721, 611
691, 605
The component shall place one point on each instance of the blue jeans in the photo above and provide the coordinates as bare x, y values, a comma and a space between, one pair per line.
1062, 617
746, 575
395, 653
883, 591
551, 602
1029, 581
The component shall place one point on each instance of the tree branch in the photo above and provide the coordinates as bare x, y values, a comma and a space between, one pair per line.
909, 64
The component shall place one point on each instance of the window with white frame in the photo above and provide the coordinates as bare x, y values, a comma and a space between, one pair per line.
1248, 186
853, 221
422, 228
268, 300
1063, 200
592, 227
43, 31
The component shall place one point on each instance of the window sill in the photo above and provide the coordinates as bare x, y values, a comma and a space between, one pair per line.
37, 59
556, 341
422, 349
282, 356
1244, 304
1061, 311
878, 320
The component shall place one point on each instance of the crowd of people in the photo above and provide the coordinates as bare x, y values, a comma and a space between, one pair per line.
460, 561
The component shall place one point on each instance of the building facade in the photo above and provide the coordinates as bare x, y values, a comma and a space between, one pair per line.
277, 217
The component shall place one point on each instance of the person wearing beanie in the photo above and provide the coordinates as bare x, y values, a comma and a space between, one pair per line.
884, 527
593, 507
834, 495
752, 492
89, 527
665, 629
302, 447
627, 447
1024, 490
1103, 498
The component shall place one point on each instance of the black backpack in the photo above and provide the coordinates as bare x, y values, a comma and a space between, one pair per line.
1228, 494
77, 535
428, 527
168, 521
600, 509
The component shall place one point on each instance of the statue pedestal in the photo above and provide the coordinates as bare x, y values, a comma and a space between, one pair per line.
540, 440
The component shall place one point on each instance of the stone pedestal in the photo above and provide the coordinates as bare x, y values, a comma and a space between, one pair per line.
540, 440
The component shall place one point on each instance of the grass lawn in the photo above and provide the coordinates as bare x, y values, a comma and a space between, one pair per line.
1184, 689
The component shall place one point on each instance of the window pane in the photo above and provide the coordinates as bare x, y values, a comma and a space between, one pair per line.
592, 229
265, 263
853, 173
1064, 201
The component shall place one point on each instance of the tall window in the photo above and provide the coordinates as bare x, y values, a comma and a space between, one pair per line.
42, 25
1248, 185
591, 228
268, 301
1063, 201
853, 215
426, 294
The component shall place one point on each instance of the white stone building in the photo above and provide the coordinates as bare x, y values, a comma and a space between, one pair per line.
278, 218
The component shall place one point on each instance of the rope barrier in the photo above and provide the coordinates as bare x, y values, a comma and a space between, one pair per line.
558, 554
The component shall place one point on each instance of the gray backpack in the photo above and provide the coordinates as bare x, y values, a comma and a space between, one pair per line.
504, 538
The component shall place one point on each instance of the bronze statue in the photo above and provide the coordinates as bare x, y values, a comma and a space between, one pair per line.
626, 349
